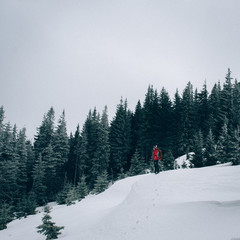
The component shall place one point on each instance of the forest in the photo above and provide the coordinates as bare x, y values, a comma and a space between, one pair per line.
65, 168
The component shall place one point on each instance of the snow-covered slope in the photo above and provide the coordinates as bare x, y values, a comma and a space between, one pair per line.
199, 204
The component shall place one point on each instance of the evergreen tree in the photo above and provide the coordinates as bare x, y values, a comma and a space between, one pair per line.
137, 131
168, 163
233, 147
101, 183
61, 150
45, 133
82, 190
226, 100
48, 228
30, 163
150, 127
8, 167
104, 145
120, 139
73, 167
197, 159
1, 128
71, 196
210, 153
223, 143
165, 121
236, 147
137, 164
26, 205
214, 107
203, 111
6, 215
39, 181
177, 131
21, 152
61, 197
189, 117
236, 105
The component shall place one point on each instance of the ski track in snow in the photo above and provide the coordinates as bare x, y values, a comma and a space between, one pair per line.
189, 204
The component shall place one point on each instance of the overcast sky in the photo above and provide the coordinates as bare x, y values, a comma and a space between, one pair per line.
78, 54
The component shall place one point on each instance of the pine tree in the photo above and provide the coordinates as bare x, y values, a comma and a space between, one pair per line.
6, 215
223, 143
168, 163
210, 153
137, 164
101, 183
164, 130
150, 127
8, 167
198, 160
233, 147
60, 147
62, 195
48, 228
226, 100
1, 128
72, 166
236, 147
120, 139
26, 205
203, 111
21, 152
214, 107
71, 196
189, 117
236, 105
45, 133
82, 190
177, 131
39, 181
137, 131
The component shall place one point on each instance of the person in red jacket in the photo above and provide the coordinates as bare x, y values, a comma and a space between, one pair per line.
157, 155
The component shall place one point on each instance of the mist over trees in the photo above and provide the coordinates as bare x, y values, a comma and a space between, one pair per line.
62, 168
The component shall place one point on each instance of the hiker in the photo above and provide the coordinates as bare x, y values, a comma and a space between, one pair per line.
157, 155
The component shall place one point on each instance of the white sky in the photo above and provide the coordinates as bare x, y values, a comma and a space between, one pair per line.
75, 54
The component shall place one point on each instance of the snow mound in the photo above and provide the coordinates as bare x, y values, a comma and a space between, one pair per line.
183, 161
184, 204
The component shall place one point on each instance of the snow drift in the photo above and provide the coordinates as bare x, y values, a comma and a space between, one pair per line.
199, 204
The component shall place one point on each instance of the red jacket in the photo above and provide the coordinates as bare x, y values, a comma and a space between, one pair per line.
157, 154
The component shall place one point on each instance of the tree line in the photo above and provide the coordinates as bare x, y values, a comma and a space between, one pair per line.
62, 168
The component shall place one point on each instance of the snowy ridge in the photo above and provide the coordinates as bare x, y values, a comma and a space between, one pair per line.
197, 204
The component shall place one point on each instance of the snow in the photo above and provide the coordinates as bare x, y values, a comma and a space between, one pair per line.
199, 204
183, 161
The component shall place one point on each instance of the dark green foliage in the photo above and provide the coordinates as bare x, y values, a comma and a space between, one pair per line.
60, 148
120, 139
39, 181
101, 183
5, 215
26, 205
82, 190
73, 167
168, 161
236, 147
189, 119
198, 160
210, 152
137, 164
62, 195
48, 228
223, 145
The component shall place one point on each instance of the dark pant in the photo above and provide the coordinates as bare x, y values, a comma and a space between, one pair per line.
156, 166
